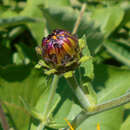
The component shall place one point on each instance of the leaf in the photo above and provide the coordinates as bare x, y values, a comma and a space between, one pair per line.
113, 82
106, 77
57, 3
32, 10
6, 22
127, 106
126, 7
110, 120
24, 81
8, 13
61, 104
119, 51
126, 124
65, 18
108, 18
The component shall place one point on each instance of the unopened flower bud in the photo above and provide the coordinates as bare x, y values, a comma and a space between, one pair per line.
60, 50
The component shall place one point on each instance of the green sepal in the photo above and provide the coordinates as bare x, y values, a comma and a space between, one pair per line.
41, 64
51, 71
82, 42
70, 63
37, 66
88, 66
31, 111
68, 74
84, 59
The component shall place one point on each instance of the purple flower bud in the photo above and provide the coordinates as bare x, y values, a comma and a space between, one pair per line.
60, 48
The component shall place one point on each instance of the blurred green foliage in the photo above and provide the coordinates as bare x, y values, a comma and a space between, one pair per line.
23, 24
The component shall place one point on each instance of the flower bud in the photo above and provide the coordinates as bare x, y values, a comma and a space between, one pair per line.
60, 49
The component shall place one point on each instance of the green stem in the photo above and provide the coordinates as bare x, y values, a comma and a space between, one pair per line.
114, 103
49, 102
41, 126
51, 95
84, 101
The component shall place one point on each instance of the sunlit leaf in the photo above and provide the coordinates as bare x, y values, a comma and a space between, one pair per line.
24, 81
119, 51
108, 18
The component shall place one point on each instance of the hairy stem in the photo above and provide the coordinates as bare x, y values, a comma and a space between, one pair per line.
114, 103
51, 95
41, 126
3, 119
81, 96
49, 102
77, 23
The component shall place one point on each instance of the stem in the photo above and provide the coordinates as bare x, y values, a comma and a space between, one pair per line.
116, 102
54, 106
84, 102
77, 23
4, 122
49, 102
51, 95
41, 126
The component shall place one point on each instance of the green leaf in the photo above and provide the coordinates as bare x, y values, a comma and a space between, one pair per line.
8, 13
119, 51
110, 120
126, 7
113, 82
126, 124
108, 18
61, 104
127, 106
32, 9
6, 22
65, 18
24, 81
107, 78
57, 3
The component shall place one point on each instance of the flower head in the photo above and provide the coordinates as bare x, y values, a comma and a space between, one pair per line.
60, 49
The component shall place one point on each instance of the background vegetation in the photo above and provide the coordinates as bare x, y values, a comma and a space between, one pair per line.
23, 24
